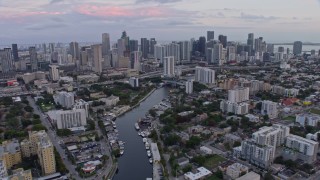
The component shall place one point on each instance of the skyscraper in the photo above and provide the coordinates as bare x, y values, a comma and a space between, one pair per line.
15, 52
297, 47
202, 45
205, 75
133, 45
153, 42
217, 53
159, 52
250, 41
145, 47
168, 66
33, 58
135, 59
281, 49
121, 45
74, 50
185, 50
97, 57
270, 48
6, 60
54, 72
210, 35
105, 44
223, 40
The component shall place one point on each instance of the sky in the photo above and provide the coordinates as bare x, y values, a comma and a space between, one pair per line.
37, 21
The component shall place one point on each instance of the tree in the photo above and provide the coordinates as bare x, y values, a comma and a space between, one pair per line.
219, 174
28, 108
64, 132
193, 142
172, 140
152, 112
38, 127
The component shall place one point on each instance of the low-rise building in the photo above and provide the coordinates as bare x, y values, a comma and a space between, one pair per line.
111, 100
308, 119
236, 108
236, 170
90, 78
250, 176
69, 118
201, 173
20, 174
269, 108
134, 82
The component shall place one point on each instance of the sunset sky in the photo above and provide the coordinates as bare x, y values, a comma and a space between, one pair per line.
36, 21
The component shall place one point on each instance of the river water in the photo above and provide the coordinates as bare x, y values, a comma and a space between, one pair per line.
134, 164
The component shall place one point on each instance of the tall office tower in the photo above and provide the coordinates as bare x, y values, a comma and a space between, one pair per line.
54, 72
135, 60
126, 41
97, 57
173, 49
33, 58
185, 50
205, 75
210, 35
6, 60
223, 40
238, 95
258, 45
44, 48
210, 56
217, 54
51, 47
297, 47
134, 45
281, 49
145, 47
250, 41
168, 66
74, 50
269, 108
15, 52
160, 52
202, 45
105, 44
189, 87
288, 51
231, 53
270, 48
319, 52
121, 46
153, 42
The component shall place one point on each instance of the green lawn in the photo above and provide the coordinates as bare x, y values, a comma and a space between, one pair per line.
214, 161
315, 111
46, 107
290, 118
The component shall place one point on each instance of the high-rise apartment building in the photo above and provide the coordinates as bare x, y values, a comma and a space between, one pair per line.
269, 108
202, 45
273, 136
210, 35
105, 44
235, 108
160, 52
33, 59
297, 47
135, 60
205, 75
74, 50
217, 54
238, 95
223, 40
134, 82
153, 42
97, 58
168, 66
6, 60
133, 45
68, 118
250, 41
189, 87
270, 48
40, 144
81, 104
65, 99
185, 50
54, 72
173, 49
121, 47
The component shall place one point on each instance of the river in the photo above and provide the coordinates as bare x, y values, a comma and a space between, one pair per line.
134, 164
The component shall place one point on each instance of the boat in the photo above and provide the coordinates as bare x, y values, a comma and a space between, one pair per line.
139, 133
137, 126
150, 160
149, 153
114, 126
147, 145
121, 152
142, 134
144, 140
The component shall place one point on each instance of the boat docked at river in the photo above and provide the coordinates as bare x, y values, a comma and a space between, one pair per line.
147, 145
137, 126
150, 160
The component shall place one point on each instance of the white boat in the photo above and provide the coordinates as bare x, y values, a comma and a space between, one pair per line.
149, 153
144, 140
147, 145
121, 151
137, 126
142, 134
139, 133
114, 126
150, 160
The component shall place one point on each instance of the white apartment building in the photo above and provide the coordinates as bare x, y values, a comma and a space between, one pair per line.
134, 82
168, 66
238, 95
68, 119
65, 99
81, 104
307, 149
236, 108
273, 136
269, 108
189, 87
54, 72
205, 75
308, 119
236, 170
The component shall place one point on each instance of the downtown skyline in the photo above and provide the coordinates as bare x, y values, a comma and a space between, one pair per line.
73, 20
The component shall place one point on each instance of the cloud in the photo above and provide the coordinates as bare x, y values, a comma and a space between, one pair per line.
46, 26
157, 1
56, 1
257, 17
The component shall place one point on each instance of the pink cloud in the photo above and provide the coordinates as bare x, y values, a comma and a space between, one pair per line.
10, 15
116, 11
